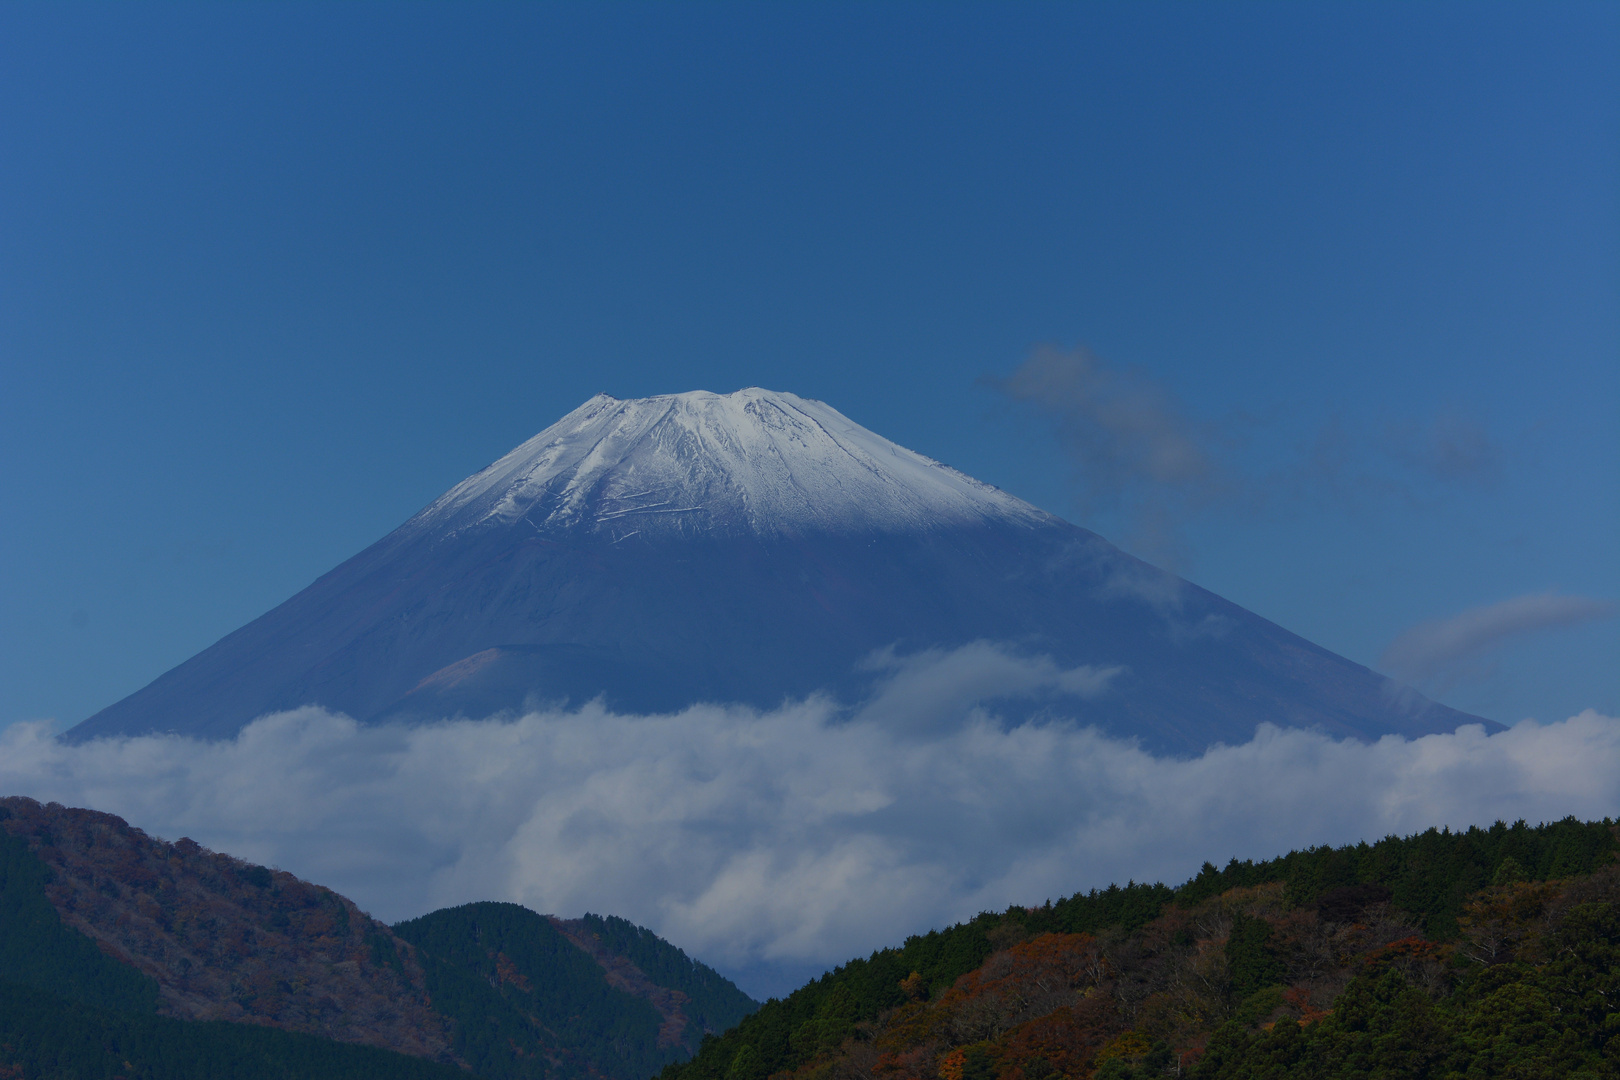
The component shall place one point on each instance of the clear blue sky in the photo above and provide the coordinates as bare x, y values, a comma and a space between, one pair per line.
274, 276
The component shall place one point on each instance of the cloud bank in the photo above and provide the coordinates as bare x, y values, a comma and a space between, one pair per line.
773, 844
1440, 653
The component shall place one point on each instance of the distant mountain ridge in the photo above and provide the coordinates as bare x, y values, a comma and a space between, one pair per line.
96, 912
749, 548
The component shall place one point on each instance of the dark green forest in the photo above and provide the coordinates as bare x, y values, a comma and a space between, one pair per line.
714, 1003
53, 1038
526, 1002
1551, 1012
37, 950
1428, 879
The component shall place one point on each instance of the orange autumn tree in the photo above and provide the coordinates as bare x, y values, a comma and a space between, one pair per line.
1030, 1012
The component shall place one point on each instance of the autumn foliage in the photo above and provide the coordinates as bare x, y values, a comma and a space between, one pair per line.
224, 939
112, 937
1410, 957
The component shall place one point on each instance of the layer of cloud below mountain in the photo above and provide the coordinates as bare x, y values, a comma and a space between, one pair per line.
774, 843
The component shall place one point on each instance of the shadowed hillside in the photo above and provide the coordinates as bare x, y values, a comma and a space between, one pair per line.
200, 964
226, 940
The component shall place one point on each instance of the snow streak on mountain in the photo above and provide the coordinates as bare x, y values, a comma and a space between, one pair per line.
753, 547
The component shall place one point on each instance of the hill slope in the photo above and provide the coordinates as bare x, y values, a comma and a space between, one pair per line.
45, 1037
526, 1001
226, 940
693, 1000
1410, 957
72, 1011
746, 548
140, 935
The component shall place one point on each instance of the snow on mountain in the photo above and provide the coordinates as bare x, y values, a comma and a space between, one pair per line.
750, 548
755, 460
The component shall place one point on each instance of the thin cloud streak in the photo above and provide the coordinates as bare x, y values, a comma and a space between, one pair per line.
1450, 448
775, 843
1132, 447
1137, 454
1122, 427
1446, 651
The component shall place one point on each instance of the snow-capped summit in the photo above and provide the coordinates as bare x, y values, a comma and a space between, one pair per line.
754, 547
757, 461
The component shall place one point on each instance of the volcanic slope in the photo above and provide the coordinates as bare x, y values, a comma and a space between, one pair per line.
752, 547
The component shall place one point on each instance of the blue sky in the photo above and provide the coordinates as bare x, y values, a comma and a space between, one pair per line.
274, 276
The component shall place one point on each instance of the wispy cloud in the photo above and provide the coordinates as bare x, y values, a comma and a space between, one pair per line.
1440, 653
940, 686
772, 843
1140, 457
1450, 448
1132, 446
1123, 427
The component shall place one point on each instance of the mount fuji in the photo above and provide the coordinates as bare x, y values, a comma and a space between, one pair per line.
752, 548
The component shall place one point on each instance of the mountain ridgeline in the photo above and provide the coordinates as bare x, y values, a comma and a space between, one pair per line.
749, 548
1481, 953
116, 947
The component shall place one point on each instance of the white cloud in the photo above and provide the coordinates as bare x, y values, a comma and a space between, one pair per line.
769, 842
1442, 652
935, 686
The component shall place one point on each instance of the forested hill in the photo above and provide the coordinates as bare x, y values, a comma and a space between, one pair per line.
526, 1002
692, 997
217, 938
1497, 945
71, 1011
186, 962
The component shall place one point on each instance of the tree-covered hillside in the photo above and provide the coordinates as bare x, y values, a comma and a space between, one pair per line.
223, 939
69, 1011
115, 939
695, 999
45, 1037
526, 1002
37, 951
1482, 953
1220, 974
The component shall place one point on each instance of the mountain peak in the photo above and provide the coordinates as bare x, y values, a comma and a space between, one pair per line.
753, 461
775, 548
